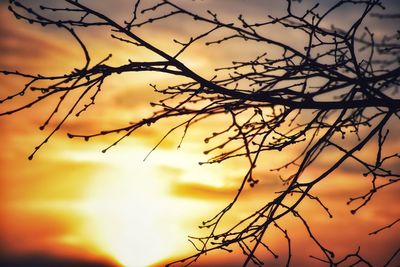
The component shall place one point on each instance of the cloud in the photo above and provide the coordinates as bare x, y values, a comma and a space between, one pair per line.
193, 190
44, 260
22, 45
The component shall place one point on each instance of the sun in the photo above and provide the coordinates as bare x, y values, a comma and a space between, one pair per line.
129, 209
129, 213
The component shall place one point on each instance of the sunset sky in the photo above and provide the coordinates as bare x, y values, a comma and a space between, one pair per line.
75, 206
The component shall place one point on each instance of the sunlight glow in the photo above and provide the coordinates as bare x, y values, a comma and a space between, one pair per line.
130, 214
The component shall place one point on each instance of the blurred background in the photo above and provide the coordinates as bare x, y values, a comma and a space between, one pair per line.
75, 206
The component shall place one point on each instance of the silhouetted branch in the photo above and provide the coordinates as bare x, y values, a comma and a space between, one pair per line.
340, 86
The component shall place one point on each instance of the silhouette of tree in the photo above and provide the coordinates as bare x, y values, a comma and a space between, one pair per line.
336, 93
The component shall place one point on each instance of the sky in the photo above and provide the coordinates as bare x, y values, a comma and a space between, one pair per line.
75, 206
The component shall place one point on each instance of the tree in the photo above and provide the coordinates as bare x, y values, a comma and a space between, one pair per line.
334, 92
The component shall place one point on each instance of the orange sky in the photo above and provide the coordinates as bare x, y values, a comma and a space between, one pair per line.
75, 205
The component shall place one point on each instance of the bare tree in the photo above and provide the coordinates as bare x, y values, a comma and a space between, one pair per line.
336, 92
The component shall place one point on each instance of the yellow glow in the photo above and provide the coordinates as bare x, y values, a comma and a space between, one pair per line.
126, 221
130, 214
